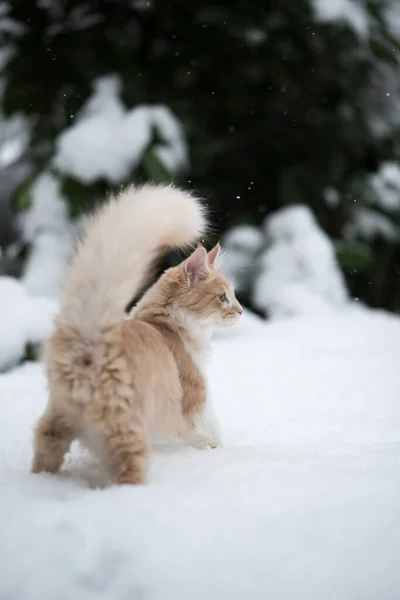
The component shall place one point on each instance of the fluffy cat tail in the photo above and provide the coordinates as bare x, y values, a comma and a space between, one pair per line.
119, 245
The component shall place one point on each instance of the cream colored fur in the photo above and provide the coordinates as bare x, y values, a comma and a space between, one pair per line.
113, 381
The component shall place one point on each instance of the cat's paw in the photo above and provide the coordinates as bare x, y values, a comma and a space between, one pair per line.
206, 444
214, 436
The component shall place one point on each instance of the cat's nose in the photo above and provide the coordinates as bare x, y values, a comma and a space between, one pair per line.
240, 310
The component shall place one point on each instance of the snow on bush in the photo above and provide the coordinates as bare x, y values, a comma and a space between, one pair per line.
298, 270
386, 186
382, 100
366, 224
392, 16
15, 130
8, 25
348, 11
331, 196
107, 141
241, 245
23, 319
47, 227
381, 192
14, 138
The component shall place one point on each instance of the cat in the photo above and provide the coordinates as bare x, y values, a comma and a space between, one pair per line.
115, 381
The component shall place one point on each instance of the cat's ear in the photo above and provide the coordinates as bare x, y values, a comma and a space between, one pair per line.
196, 266
213, 255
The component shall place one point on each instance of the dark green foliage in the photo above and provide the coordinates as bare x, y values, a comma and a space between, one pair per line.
273, 103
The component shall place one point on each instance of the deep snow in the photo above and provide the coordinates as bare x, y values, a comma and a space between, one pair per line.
301, 503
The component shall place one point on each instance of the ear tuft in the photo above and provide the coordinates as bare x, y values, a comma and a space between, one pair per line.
213, 254
196, 266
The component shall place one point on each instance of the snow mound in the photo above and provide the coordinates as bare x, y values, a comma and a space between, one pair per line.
298, 270
107, 141
301, 503
23, 319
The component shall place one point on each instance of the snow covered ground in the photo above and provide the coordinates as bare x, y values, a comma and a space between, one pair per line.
303, 502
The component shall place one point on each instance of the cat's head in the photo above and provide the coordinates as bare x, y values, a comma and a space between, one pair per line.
201, 293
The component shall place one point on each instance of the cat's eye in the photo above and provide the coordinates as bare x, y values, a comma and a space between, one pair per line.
223, 297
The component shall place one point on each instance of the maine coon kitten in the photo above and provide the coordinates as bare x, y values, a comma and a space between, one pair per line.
114, 382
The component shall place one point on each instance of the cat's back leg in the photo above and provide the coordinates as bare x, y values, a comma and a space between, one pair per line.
119, 434
52, 440
58, 426
116, 419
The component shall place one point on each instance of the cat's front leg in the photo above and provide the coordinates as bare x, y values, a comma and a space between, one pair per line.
205, 430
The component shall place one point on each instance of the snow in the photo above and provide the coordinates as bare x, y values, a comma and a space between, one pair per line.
244, 237
23, 320
386, 185
14, 130
14, 138
298, 270
77, 19
301, 503
6, 54
392, 17
142, 5
367, 224
9, 27
382, 100
331, 196
241, 246
47, 227
255, 36
351, 12
172, 152
107, 141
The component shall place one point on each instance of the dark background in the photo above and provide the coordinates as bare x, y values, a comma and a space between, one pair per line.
277, 106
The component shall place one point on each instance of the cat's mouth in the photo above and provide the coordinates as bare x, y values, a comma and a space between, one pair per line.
231, 320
